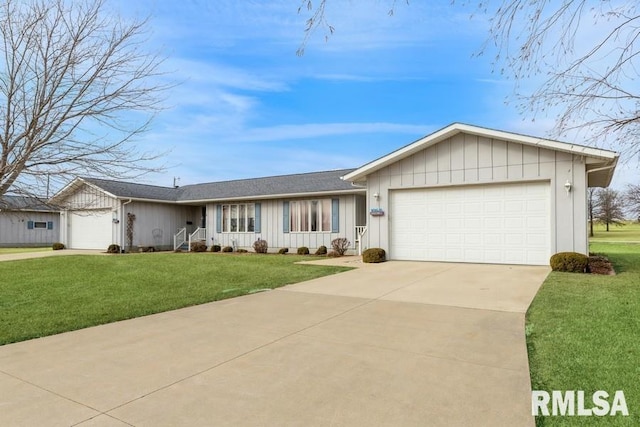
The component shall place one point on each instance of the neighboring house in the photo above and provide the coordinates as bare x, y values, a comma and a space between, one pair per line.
25, 221
288, 211
461, 194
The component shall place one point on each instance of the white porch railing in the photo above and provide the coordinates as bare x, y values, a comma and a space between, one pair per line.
179, 238
199, 234
361, 230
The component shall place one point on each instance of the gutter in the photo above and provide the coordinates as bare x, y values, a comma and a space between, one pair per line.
610, 167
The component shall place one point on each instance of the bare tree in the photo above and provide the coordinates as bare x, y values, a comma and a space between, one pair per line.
587, 54
632, 198
609, 207
76, 85
591, 206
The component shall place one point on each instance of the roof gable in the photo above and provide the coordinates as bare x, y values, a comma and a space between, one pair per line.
603, 158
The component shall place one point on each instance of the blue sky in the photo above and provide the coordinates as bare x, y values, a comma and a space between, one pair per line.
247, 106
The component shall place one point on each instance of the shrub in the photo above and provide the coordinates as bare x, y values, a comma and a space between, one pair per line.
322, 250
333, 254
242, 251
571, 262
216, 248
303, 250
340, 245
113, 249
283, 251
260, 246
198, 246
600, 265
374, 255
227, 249
57, 246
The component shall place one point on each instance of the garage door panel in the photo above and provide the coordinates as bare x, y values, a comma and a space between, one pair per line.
506, 223
90, 229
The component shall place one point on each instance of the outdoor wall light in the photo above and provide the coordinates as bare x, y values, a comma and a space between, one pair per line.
567, 186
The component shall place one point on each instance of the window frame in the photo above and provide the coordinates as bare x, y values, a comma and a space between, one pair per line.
311, 216
231, 220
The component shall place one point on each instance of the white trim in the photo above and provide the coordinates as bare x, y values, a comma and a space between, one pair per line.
455, 128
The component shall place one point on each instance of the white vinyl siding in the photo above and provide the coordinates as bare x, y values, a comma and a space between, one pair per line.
501, 224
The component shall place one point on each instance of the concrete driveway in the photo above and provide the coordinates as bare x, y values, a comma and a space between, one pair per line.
393, 344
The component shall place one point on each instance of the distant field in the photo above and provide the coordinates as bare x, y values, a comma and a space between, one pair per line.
629, 232
22, 250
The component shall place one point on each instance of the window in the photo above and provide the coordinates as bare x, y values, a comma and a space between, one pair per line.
39, 224
310, 215
240, 218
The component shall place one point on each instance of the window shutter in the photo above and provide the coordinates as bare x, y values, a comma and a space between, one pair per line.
258, 222
218, 218
49, 225
285, 217
335, 215
30, 225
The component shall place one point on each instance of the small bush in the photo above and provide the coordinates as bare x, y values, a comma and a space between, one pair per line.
242, 251
374, 255
340, 245
260, 246
57, 246
303, 250
322, 250
227, 249
216, 248
113, 249
198, 246
283, 251
571, 262
600, 265
333, 254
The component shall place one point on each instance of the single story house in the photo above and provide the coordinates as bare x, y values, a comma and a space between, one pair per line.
461, 194
27, 222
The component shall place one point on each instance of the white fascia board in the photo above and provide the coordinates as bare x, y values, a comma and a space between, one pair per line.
276, 196
140, 199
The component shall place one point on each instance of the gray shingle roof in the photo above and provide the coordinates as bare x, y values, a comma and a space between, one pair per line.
314, 182
24, 203
135, 191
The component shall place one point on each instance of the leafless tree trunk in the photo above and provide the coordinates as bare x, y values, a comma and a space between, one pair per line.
609, 207
76, 86
632, 197
590, 202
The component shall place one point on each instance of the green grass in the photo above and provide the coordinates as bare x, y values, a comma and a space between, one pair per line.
630, 231
22, 250
583, 333
45, 296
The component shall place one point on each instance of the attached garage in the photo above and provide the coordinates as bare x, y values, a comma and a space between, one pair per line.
498, 224
472, 194
90, 229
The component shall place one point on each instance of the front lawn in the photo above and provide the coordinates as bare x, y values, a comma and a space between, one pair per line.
23, 250
583, 333
45, 296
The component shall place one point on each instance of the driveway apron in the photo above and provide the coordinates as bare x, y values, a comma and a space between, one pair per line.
392, 344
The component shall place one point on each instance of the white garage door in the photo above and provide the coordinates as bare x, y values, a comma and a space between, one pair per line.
502, 224
90, 229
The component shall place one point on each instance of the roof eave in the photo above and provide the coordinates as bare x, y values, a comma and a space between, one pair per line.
273, 196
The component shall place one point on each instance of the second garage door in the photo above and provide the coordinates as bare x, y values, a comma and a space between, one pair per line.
90, 229
501, 224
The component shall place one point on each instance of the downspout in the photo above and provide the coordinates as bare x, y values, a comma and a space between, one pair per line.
122, 223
